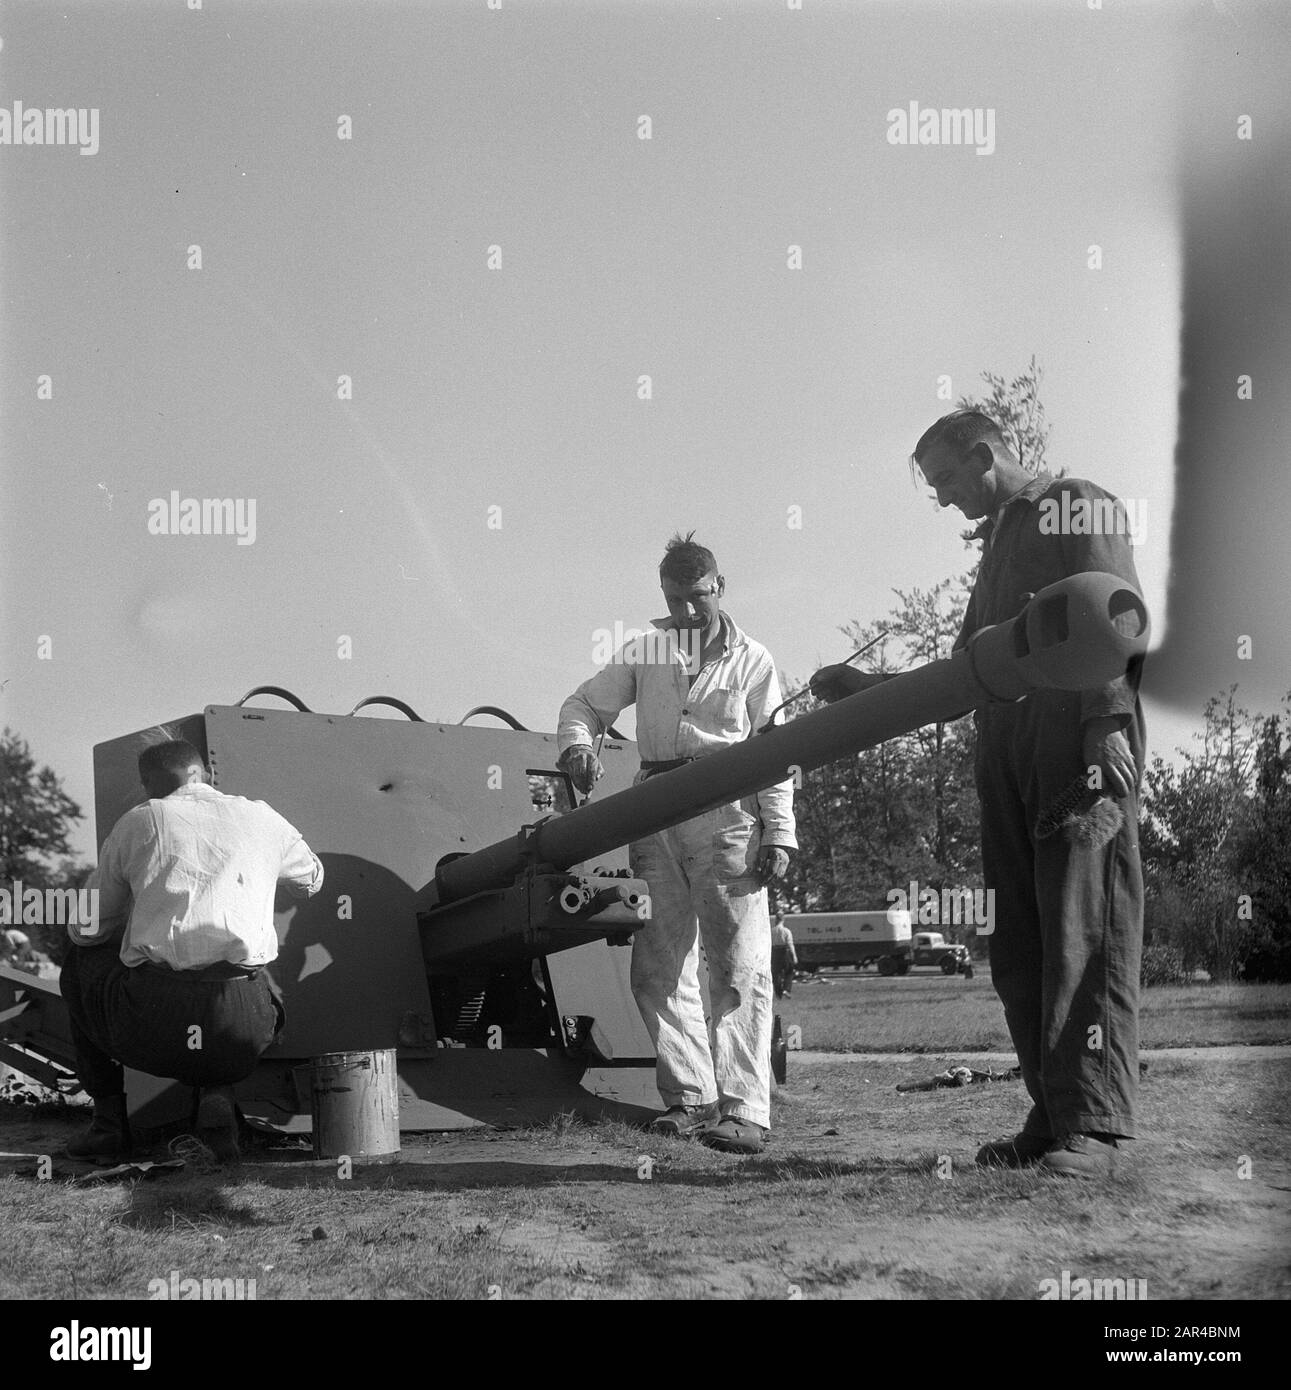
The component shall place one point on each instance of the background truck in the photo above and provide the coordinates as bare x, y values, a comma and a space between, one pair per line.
834, 939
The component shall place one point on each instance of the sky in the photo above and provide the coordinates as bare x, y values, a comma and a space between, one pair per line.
493, 489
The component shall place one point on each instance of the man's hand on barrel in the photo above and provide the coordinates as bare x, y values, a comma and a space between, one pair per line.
773, 863
582, 765
837, 682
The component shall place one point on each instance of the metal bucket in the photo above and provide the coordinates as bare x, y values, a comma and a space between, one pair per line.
355, 1102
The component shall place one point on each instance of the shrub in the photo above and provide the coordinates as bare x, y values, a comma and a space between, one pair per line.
1163, 964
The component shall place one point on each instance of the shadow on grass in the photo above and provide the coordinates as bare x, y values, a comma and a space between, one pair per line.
800, 1166
305, 1172
448, 1177
185, 1205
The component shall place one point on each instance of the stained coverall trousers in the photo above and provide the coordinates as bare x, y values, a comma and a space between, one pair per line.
1068, 934
704, 891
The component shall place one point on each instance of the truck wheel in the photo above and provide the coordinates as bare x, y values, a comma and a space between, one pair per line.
903, 966
949, 965
888, 965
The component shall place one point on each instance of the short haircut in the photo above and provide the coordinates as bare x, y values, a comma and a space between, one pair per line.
685, 560
960, 431
175, 757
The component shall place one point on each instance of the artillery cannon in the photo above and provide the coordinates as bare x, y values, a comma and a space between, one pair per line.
496, 967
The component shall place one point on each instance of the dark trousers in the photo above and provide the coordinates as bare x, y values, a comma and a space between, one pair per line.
781, 974
178, 1024
1068, 933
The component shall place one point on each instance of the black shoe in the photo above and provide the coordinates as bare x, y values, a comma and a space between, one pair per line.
108, 1138
217, 1123
686, 1121
1020, 1151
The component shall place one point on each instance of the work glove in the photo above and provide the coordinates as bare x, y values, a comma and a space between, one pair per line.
582, 765
773, 863
832, 683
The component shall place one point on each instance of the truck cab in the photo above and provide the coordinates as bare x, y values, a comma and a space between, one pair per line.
931, 948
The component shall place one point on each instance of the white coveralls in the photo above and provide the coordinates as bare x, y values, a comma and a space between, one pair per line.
701, 874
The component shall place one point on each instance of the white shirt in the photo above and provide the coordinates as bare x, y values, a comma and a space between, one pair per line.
202, 869
733, 695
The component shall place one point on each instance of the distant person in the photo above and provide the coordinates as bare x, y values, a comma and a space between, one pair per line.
1066, 874
187, 882
16, 948
699, 685
784, 958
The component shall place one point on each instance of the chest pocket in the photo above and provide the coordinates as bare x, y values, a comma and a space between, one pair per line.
1031, 561
720, 712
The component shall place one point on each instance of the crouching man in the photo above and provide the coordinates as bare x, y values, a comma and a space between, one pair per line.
186, 881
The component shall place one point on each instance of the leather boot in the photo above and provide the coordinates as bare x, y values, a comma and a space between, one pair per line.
217, 1122
1083, 1156
685, 1121
1021, 1151
108, 1138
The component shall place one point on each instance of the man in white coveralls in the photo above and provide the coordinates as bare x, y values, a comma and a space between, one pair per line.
699, 685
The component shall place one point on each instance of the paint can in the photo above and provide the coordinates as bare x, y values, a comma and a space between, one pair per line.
355, 1103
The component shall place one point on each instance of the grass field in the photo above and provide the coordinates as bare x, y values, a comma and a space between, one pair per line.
863, 1191
864, 1012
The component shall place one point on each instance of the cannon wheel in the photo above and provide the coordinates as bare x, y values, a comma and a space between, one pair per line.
888, 965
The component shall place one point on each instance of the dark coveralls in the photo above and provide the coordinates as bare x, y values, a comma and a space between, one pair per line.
1069, 907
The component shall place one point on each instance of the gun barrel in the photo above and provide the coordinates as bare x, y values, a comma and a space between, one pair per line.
1078, 633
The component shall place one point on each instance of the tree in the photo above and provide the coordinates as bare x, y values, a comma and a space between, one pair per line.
1263, 861
1192, 813
36, 818
924, 627
904, 809
1216, 846
1016, 407
908, 809
36, 815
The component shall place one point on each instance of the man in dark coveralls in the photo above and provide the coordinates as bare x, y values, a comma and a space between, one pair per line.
1057, 775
